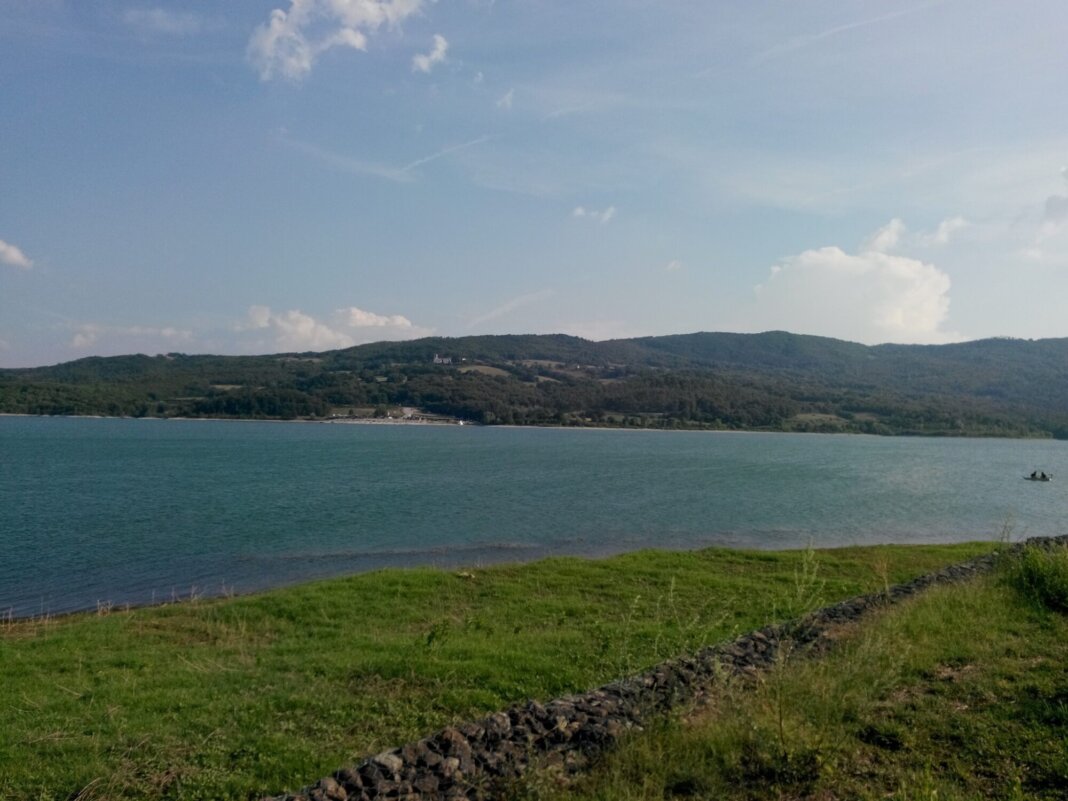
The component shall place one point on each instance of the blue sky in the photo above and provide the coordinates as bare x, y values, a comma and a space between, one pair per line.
257, 176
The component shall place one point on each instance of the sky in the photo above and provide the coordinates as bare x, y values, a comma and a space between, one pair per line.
257, 176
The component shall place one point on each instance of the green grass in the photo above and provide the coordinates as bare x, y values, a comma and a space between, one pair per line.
960, 693
238, 697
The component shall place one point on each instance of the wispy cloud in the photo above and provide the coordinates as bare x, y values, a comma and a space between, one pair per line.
510, 306
805, 40
407, 168
349, 164
13, 257
1052, 227
425, 63
505, 101
604, 216
947, 230
156, 21
291, 41
404, 174
1055, 209
886, 238
87, 335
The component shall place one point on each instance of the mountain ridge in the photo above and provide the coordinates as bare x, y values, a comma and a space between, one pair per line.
774, 380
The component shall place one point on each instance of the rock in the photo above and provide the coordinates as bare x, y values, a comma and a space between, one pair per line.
471, 731
498, 726
389, 761
430, 758
330, 790
427, 784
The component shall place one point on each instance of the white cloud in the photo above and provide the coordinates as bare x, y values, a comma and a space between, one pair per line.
506, 99
12, 256
871, 296
289, 43
162, 21
358, 318
602, 217
294, 330
298, 331
673, 266
427, 62
886, 238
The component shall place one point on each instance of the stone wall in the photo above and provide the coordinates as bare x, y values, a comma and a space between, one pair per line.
470, 760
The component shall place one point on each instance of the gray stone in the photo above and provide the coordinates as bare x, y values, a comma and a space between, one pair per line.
389, 761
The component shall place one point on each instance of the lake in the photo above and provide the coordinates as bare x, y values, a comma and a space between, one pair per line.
134, 511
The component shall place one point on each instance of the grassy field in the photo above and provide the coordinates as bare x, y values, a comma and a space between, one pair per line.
961, 693
237, 697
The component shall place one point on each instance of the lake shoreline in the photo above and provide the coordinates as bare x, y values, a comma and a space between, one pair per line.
461, 569
505, 426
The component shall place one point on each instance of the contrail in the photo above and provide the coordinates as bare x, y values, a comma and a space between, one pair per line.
445, 152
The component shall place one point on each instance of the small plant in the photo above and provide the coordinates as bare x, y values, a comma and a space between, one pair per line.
807, 594
1041, 574
881, 566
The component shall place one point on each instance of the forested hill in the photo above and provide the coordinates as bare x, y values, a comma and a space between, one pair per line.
770, 381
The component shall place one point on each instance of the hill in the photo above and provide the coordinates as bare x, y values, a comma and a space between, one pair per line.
770, 381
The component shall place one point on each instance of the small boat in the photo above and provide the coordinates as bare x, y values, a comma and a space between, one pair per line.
1040, 477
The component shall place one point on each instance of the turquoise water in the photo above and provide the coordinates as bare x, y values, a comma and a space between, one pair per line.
131, 511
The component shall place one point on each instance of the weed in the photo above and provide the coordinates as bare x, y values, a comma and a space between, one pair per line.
1041, 575
808, 589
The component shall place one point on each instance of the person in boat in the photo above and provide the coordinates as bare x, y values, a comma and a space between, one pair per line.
1034, 474
1043, 477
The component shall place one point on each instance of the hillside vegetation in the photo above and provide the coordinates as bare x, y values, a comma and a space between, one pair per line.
770, 381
